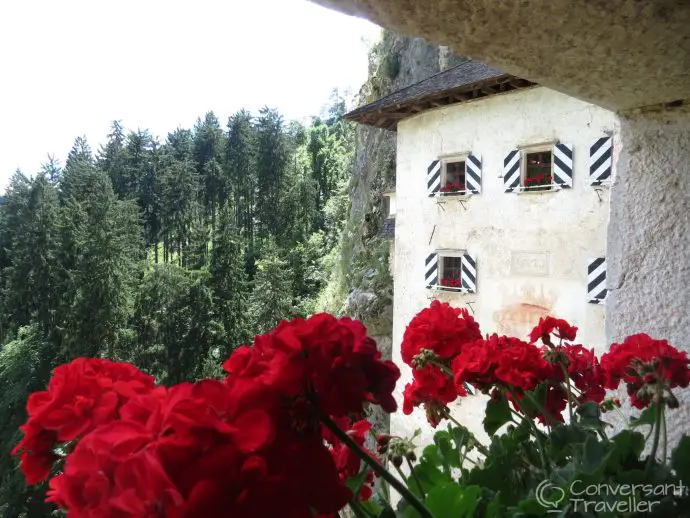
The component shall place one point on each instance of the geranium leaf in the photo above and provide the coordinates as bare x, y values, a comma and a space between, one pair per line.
452, 501
594, 455
647, 417
497, 414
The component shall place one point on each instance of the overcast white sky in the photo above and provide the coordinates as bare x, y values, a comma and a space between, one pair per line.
69, 67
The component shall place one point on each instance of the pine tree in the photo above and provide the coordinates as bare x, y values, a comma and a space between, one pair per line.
111, 159
30, 238
103, 245
272, 158
174, 323
241, 171
209, 150
229, 283
271, 299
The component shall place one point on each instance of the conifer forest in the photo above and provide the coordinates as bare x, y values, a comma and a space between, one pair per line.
165, 253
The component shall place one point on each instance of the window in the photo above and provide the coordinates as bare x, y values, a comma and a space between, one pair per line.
453, 177
537, 172
451, 271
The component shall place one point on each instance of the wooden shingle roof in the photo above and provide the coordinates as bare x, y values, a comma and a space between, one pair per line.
466, 82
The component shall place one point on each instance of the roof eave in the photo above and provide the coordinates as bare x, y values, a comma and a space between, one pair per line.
388, 116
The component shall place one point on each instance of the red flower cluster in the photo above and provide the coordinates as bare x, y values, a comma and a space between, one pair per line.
453, 187
251, 446
540, 179
328, 362
451, 282
447, 353
546, 328
434, 337
648, 367
500, 360
81, 396
439, 328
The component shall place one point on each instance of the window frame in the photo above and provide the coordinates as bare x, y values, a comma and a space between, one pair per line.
445, 160
529, 150
442, 254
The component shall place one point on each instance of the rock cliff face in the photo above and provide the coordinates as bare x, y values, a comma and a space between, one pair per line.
395, 62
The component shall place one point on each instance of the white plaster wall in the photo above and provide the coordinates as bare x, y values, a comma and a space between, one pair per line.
569, 225
649, 238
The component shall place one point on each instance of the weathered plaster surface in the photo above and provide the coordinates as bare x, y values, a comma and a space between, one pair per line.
615, 53
648, 265
531, 249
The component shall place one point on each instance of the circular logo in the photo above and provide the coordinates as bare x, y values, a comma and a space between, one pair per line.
548, 495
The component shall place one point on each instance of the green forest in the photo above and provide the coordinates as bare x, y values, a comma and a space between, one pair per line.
167, 254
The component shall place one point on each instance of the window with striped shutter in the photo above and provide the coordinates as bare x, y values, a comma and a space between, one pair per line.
596, 280
431, 270
601, 161
563, 165
469, 274
433, 178
511, 171
473, 176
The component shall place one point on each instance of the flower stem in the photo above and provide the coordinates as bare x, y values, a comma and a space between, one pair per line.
569, 389
482, 449
657, 432
416, 479
537, 433
665, 443
376, 467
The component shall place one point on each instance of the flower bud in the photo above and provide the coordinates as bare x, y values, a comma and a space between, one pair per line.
672, 401
397, 461
411, 457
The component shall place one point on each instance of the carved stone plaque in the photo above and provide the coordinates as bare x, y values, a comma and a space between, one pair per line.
530, 263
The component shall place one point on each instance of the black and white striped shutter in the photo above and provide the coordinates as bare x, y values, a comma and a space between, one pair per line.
511, 171
600, 161
468, 274
433, 178
473, 174
563, 165
431, 270
596, 280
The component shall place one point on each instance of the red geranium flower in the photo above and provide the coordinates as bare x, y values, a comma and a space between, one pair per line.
647, 366
439, 328
547, 326
81, 395
499, 360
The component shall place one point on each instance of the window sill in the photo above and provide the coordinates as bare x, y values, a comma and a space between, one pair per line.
438, 287
605, 183
451, 195
532, 190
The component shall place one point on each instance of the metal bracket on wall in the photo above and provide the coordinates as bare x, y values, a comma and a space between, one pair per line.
599, 191
470, 305
462, 203
432, 234
441, 203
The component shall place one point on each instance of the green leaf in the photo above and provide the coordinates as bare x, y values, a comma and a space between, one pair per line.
647, 417
453, 501
680, 459
589, 416
497, 414
355, 483
628, 446
594, 455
